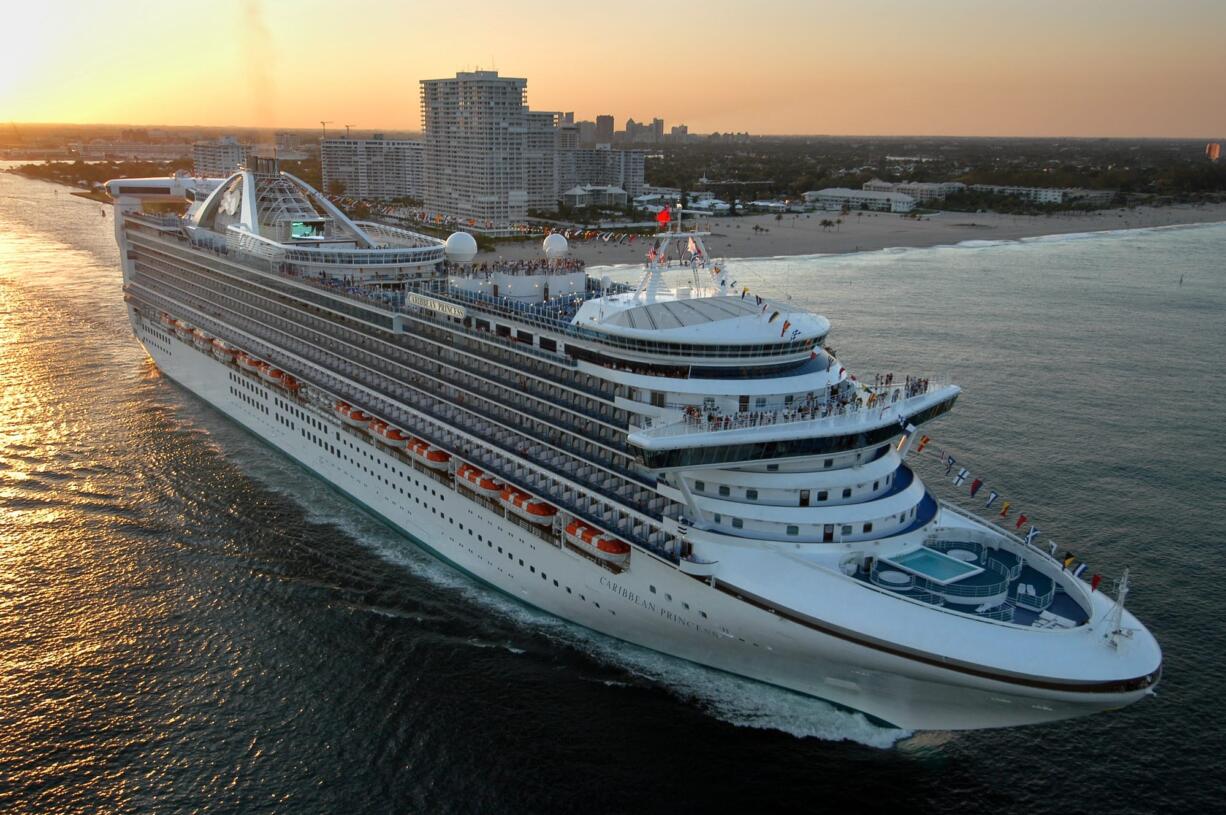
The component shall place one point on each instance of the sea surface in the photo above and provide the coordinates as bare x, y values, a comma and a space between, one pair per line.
190, 623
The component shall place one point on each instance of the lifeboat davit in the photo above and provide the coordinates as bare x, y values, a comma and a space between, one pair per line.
596, 543
223, 350
351, 415
525, 506
490, 487
432, 457
184, 330
290, 384
168, 321
203, 341
386, 434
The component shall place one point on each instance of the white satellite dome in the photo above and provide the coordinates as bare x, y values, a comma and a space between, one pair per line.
460, 247
554, 246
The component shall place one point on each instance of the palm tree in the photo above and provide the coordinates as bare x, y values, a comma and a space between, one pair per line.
838, 223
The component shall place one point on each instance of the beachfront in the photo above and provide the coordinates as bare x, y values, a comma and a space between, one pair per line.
868, 231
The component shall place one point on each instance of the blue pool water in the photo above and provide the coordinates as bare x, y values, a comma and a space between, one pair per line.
934, 565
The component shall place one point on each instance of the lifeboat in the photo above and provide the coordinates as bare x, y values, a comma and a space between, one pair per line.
469, 476
168, 321
432, 457
525, 506
290, 384
386, 434
490, 487
595, 543
184, 331
251, 363
351, 415
223, 350
203, 341
274, 375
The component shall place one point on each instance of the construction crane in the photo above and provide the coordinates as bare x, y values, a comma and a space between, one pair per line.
324, 125
347, 130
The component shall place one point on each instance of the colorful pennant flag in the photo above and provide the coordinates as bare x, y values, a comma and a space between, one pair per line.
1021, 519
975, 485
961, 476
1032, 534
949, 464
922, 442
1004, 509
1094, 581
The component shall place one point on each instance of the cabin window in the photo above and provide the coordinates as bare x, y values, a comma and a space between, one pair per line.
868, 527
723, 490
846, 529
700, 486
875, 483
737, 523
751, 495
828, 463
847, 492
548, 344
822, 495
793, 530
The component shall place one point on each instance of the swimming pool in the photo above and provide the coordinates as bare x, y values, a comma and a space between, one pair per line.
934, 565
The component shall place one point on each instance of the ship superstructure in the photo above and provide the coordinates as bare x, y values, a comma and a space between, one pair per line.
686, 468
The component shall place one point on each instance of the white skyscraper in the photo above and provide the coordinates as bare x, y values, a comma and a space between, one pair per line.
218, 159
475, 132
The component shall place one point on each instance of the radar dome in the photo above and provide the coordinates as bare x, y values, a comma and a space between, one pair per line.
460, 247
554, 246
606, 282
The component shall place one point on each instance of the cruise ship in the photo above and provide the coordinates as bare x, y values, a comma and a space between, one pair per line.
686, 468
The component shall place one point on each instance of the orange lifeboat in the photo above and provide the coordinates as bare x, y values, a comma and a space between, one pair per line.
351, 415
274, 375
290, 384
184, 331
223, 350
597, 544
525, 506
489, 486
386, 434
432, 457
251, 363
469, 476
203, 341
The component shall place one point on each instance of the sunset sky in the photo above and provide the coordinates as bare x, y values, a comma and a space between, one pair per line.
941, 67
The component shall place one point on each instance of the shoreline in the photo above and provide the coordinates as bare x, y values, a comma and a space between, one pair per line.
873, 232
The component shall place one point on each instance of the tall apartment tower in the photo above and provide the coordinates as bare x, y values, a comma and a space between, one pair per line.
475, 127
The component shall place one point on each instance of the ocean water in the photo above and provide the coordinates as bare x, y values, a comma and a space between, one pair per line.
188, 623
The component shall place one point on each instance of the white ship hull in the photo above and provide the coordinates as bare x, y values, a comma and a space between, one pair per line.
651, 603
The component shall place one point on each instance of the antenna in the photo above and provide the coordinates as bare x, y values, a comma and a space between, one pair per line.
1116, 615
324, 125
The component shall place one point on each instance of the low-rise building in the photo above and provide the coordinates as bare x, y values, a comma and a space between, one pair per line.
1039, 195
836, 198
919, 190
592, 195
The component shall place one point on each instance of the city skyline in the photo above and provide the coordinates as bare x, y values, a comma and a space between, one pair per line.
1128, 69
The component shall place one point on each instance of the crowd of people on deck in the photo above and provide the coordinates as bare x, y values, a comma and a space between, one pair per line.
516, 267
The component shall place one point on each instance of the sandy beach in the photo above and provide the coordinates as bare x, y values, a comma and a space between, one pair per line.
804, 235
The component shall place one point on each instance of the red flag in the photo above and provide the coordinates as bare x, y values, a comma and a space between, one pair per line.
786, 326
1021, 519
663, 216
923, 442
1094, 581
975, 485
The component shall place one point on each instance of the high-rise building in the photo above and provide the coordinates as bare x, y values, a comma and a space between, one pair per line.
604, 129
475, 126
220, 158
541, 159
587, 133
373, 168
